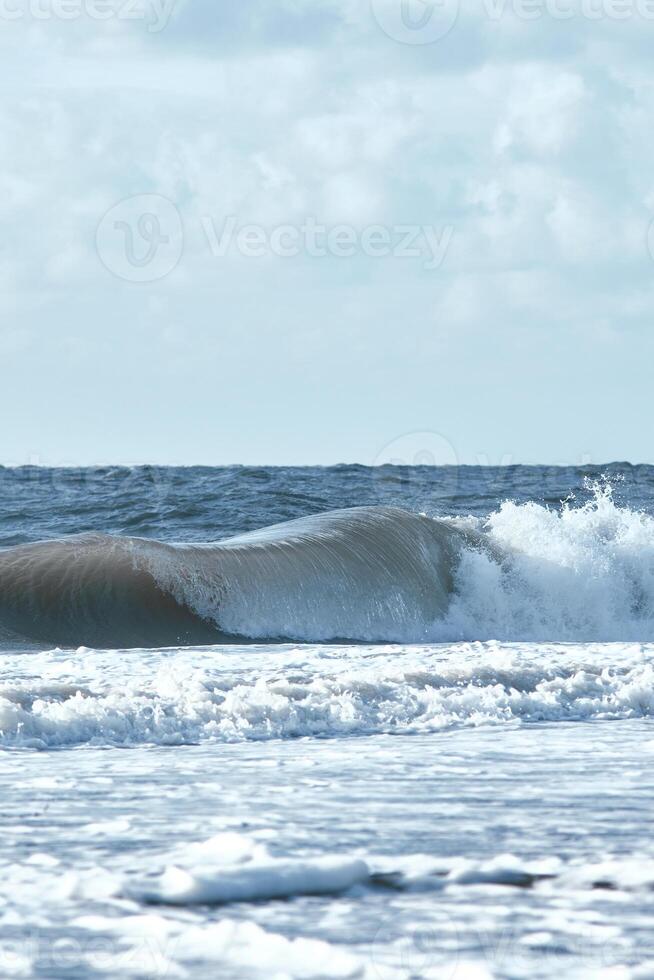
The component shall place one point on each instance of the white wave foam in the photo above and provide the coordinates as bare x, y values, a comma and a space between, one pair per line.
134, 699
158, 946
424, 872
582, 573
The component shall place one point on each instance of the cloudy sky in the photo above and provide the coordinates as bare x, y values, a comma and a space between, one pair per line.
312, 231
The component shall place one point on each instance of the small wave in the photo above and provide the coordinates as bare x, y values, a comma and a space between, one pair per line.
231, 868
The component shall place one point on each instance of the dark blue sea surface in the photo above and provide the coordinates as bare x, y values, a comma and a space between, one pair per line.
206, 504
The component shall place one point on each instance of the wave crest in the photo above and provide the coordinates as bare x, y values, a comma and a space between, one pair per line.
362, 574
527, 572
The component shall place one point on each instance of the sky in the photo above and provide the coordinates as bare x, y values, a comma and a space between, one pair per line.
323, 231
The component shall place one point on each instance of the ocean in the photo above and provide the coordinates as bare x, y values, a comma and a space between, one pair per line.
327, 722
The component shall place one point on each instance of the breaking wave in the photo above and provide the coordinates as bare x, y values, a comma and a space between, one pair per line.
360, 574
527, 572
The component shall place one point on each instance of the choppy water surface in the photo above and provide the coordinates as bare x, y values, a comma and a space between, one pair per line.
410, 738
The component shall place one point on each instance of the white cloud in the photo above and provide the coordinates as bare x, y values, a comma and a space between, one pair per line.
542, 111
531, 140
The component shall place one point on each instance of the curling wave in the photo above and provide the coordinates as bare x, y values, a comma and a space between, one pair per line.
370, 574
362, 574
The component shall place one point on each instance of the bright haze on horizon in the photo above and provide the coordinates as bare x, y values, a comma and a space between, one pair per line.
318, 231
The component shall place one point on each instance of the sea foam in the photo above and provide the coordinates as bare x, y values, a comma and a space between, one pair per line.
575, 574
144, 697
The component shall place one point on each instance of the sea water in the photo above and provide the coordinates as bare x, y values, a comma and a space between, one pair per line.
471, 799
